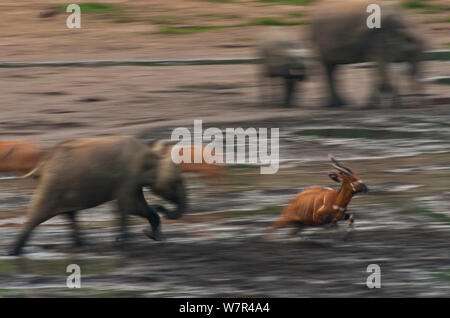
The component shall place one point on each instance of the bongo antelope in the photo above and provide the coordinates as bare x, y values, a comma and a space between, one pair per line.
316, 206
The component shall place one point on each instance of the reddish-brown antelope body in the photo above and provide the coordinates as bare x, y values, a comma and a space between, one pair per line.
317, 206
214, 171
19, 156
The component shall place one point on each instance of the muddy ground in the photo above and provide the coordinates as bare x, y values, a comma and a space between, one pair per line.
216, 249
403, 155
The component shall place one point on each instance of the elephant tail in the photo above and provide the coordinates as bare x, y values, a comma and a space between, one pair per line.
35, 173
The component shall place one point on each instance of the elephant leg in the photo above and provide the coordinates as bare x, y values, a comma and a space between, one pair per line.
374, 99
383, 86
289, 85
418, 92
273, 91
335, 100
74, 226
387, 87
416, 87
396, 100
29, 227
150, 214
263, 88
126, 204
42, 208
155, 223
380, 87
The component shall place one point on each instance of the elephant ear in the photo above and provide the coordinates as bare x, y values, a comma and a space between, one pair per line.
150, 160
159, 147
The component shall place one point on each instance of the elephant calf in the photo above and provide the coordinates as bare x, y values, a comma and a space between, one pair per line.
83, 173
281, 58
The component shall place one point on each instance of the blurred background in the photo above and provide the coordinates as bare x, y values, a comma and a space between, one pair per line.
401, 153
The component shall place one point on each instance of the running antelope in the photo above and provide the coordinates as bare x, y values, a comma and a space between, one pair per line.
316, 206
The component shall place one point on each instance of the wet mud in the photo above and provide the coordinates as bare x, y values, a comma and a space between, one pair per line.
216, 249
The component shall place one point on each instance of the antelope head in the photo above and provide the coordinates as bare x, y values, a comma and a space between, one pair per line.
346, 176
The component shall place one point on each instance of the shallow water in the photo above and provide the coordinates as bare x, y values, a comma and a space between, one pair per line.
402, 224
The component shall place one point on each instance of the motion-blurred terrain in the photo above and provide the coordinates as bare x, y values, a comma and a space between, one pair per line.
403, 155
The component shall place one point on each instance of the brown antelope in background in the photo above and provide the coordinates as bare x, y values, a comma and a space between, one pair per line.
19, 156
317, 206
214, 172
24, 156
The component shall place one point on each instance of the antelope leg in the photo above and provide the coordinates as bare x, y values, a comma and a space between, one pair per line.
351, 222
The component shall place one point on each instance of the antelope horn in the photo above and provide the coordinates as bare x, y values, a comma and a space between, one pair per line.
338, 166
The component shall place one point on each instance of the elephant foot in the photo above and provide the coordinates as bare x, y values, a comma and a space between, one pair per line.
80, 243
335, 103
153, 234
14, 251
16, 248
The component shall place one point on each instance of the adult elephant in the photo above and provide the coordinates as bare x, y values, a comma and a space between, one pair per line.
82, 173
342, 36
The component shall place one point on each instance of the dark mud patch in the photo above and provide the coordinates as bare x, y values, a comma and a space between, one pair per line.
23, 76
92, 99
211, 86
20, 133
169, 91
52, 93
57, 111
49, 13
234, 46
440, 101
317, 263
140, 122
216, 250
49, 267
